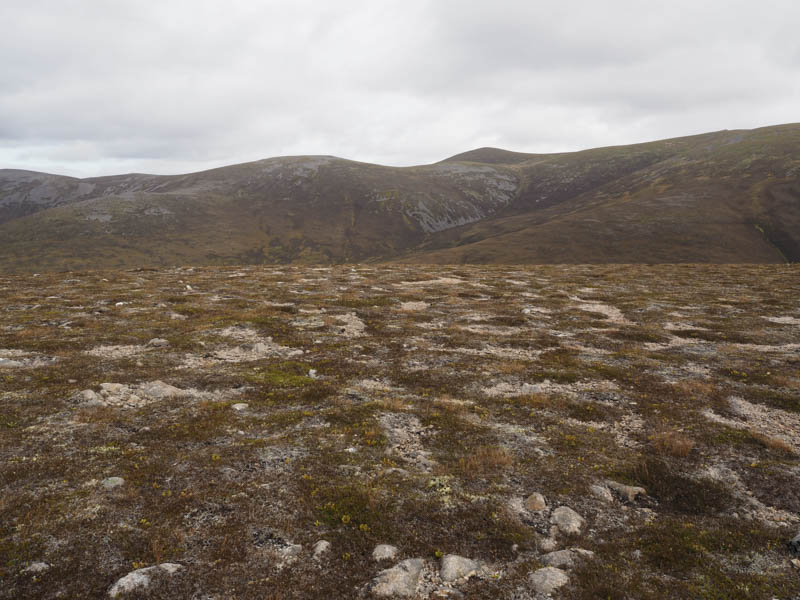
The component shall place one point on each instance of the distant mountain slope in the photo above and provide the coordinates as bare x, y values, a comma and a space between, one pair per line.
731, 196
728, 196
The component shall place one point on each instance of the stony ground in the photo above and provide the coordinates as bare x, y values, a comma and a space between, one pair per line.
589, 432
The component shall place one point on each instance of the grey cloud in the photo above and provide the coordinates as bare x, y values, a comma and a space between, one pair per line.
93, 87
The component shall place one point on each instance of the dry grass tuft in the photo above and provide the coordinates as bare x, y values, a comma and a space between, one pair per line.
673, 443
486, 460
774, 443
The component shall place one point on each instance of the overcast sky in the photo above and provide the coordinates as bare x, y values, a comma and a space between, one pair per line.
92, 87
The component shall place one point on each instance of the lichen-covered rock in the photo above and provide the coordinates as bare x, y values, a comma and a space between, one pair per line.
456, 567
627, 493
567, 520
384, 552
602, 493
110, 483
36, 568
566, 559
139, 580
159, 390
547, 580
535, 502
401, 580
320, 549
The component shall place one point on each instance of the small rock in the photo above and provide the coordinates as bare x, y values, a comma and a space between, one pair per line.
110, 483
566, 559
158, 390
292, 550
158, 343
548, 544
384, 552
240, 406
561, 559
795, 563
88, 397
446, 592
547, 580
177, 316
7, 362
602, 492
456, 567
535, 502
141, 578
312, 373
113, 389
400, 580
36, 568
567, 520
321, 548
628, 493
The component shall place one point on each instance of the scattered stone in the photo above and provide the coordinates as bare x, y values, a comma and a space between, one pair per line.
351, 325
602, 492
8, 363
312, 373
321, 548
88, 397
139, 580
795, 563
158, 343
456, 567
566, 559
110, 483
535, 502
35, 568
384, 552
547, 580
548, 544
627, 493
240, 406
567, 520
292, 550
400, 580
159, 390
446, 592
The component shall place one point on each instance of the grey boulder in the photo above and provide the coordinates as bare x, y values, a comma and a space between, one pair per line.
456, 567
401, 580
547, 580
139, 580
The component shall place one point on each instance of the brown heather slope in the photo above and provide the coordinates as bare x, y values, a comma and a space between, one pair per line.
723, 197
730, 196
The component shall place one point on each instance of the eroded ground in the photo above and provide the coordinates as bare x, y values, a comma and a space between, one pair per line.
227, 420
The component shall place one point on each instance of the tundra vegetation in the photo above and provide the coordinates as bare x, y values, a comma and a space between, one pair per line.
610, 431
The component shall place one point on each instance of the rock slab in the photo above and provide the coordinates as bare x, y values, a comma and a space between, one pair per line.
401, 580
456, 567
547, 580
567, 520
139, 580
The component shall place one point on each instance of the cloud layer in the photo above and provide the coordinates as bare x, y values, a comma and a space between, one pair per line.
94, 87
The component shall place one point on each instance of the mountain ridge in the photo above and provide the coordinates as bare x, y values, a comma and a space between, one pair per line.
725, 196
